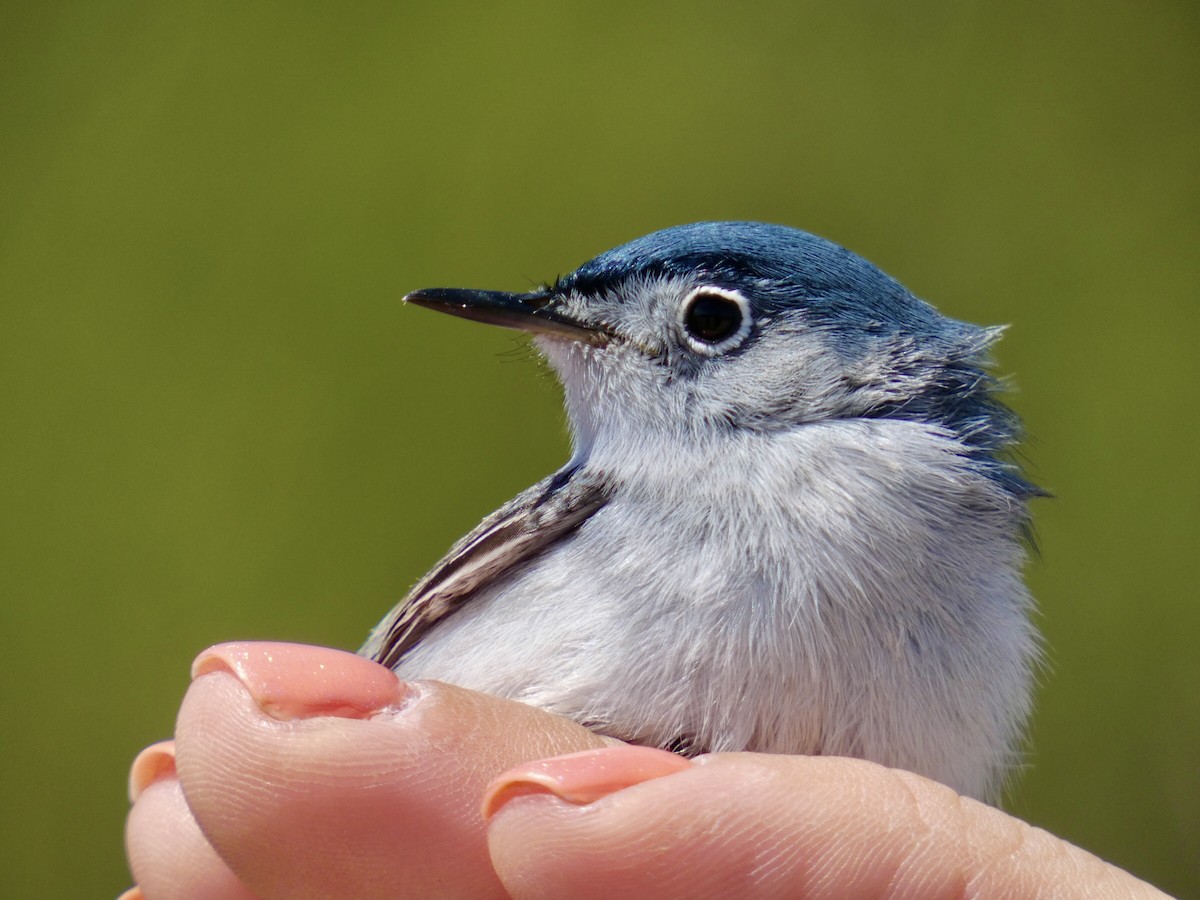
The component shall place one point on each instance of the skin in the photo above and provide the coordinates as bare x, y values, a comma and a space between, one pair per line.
305, 772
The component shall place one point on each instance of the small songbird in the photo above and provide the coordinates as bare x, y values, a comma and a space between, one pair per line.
789, 523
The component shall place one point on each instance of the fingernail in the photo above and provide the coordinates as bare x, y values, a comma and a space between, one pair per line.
134, 893
296, 681
153, 764
582, 778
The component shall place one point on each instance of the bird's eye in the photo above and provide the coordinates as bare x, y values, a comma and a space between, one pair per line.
714, 320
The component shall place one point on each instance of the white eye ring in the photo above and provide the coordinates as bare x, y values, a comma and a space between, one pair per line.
687, 319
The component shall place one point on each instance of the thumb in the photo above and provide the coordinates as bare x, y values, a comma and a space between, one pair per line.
629, 821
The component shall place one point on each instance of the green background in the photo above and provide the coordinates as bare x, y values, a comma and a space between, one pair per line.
217, 421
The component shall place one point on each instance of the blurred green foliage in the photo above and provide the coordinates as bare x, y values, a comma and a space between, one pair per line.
218, 421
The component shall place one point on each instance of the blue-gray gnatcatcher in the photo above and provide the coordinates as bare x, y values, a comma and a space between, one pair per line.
789, 523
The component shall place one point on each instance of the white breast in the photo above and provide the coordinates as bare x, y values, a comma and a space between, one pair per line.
798, 592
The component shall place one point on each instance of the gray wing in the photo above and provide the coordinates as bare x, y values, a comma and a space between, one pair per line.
518, 531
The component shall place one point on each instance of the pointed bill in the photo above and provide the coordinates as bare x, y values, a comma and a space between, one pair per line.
536, 313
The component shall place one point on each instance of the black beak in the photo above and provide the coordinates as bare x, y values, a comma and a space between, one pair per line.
527, 312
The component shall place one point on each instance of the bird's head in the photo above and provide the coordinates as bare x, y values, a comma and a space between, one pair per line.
695, 330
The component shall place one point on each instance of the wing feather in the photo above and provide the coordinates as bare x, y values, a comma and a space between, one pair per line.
524, 527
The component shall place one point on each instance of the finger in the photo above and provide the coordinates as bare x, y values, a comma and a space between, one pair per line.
168, 855
316, 773
613, 823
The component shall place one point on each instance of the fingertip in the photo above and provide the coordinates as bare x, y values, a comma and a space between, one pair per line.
295, 681
582, 777
154, 763
168, 855
751, 825
742, 825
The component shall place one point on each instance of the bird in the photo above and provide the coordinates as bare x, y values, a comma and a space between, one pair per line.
792, 520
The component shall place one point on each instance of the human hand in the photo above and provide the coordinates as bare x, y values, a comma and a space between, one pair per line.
306, 772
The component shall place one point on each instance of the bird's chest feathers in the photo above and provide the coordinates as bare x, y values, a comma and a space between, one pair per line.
860, 527
702, 523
